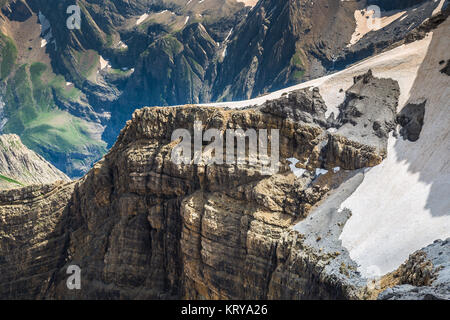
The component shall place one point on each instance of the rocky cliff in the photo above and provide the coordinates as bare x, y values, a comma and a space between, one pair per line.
141, 227
20, 166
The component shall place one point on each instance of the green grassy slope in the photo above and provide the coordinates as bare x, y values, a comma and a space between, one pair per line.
29, 93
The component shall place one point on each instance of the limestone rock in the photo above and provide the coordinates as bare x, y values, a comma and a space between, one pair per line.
21, 166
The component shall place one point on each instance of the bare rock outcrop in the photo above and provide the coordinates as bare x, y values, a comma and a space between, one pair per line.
21, 166
425, 276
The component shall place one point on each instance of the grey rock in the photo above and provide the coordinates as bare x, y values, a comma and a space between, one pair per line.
411, 120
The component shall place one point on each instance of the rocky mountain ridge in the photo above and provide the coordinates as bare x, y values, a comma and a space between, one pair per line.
130, 54
142, 227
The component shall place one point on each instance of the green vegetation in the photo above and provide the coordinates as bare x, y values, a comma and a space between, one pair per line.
120, 72
59, 131
2, 177
86, 62
33, 115
171, 46
297, 60
8, 55
298, 75
58, 83
298, 66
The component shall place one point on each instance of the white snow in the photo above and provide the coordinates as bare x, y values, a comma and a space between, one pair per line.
403, 204
249, 3
142, 19
46, 31
228, 35
366, 22
104, 63
224, 53
401, 64
438, 8
298, 172
320, 172
122, 45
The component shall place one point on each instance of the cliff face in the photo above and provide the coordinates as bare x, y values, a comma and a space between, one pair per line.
140, 226
20, 166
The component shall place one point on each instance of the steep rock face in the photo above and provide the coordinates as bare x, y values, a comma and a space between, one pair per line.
37, 248
425, 276
301, 40
183, 59
21, 166
140, 226
273, 47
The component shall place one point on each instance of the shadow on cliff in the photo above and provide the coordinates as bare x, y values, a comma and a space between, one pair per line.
429, 156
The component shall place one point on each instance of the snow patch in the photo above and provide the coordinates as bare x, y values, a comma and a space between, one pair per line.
320, 172
104, 63
438, 8
298, 172
142, 19
403, 204
46, 31
365, 22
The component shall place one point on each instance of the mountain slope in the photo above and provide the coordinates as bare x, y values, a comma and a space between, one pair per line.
20, 166
68, 93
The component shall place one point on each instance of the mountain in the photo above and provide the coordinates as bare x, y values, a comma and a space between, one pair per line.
20, 166
68, 92
358, 209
